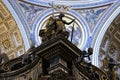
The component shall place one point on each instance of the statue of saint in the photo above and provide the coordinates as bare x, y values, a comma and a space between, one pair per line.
49, 30
54, 27
50, 27
60, 24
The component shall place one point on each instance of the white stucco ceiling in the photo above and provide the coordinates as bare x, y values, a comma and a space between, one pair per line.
70, 2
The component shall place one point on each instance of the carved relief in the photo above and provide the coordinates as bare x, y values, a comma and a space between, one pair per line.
8, 29
105, 62
4, 11
117, 36
117, 20
113, 50
6, 44
111, 29
3, 28
11, 24
16, 38
106, 43
12, 55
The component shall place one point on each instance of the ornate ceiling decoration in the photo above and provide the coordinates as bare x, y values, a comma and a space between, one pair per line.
30, 11
10, 38
92, 15
70, 2
110, 47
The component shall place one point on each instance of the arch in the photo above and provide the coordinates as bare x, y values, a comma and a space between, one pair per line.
74, 4
19, 23
36, 27
105, 23
85, 28
49, 12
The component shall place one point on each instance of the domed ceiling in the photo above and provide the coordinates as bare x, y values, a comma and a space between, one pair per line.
11, 41
31, 13
30, 10
110, 47
71, 2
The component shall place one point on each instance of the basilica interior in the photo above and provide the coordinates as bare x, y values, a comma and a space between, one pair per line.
94, 24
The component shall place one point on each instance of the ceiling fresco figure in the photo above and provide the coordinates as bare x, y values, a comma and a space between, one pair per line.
92, 16
30, 11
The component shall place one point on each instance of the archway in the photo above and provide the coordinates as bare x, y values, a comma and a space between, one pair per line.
80, 35
115, 10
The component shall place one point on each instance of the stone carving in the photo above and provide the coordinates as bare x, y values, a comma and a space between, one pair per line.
3, 57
